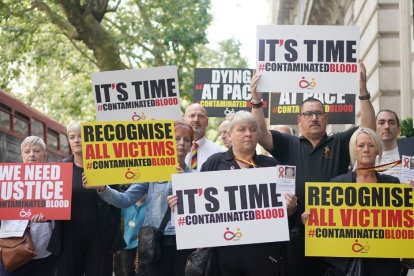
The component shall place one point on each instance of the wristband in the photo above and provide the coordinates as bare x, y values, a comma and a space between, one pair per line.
365, 97
257, 105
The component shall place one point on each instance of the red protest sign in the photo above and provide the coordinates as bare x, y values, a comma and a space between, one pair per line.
27, 189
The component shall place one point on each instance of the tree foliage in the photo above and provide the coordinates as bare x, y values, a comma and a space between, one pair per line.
50, 47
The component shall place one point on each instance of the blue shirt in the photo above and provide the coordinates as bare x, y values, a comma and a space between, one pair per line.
156, 201
133, 217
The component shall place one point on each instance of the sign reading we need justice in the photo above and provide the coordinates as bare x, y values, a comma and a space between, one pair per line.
144, 94
319, 59
30, 189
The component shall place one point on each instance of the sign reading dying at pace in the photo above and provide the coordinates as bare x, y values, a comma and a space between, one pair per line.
128, 152
284, 107
319, 59
224, 91
144, 94
233, 207
27, 189
359, 220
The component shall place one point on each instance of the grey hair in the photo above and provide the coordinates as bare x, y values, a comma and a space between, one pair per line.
242, 116
375, 138
74, 126
33, 140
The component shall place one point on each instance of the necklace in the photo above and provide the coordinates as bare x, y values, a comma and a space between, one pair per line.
250, 163
382, 168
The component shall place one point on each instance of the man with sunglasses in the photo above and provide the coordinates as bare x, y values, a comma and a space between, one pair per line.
318, 157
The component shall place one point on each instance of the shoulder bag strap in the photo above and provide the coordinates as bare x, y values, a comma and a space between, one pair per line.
165, 219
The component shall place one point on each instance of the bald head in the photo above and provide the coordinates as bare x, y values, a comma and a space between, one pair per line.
196, 116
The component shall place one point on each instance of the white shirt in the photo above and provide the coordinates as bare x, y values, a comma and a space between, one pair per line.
389, 156
206, 148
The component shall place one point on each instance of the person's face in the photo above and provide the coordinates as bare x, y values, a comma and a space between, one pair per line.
75, 141
184, 142
387, 128
366, 151
196, 117
223, 134
244, 137
289, 172
33, 153
313, 125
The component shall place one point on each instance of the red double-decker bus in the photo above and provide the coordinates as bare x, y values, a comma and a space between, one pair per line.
18, 120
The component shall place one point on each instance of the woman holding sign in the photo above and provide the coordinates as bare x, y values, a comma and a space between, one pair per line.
33, 149
172, 261
365, 148
251, 259
86, 243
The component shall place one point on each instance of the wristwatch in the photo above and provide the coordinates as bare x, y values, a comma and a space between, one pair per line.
256, 105
365, 97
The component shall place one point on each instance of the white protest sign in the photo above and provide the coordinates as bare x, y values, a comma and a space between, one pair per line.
407, 169
144, 94
318, 59
233, 207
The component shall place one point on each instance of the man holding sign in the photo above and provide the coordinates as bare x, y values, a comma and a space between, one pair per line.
317, 157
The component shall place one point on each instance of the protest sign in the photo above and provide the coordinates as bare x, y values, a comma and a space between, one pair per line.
144, 94
233, 207
27, 189
359, 220
284, 107
128, 152
291, 59
224, 91
407, 169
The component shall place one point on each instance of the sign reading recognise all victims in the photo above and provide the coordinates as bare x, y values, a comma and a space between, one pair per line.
359, 220
128, 152
224, 91
290, 59
144, 94
29, 189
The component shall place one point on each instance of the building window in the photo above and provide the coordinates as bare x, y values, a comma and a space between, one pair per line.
21, 124
52, 139
5, 118
38, 129
64, 144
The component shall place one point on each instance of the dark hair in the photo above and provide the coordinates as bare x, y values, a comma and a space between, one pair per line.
186, 127
311, 100
390, 111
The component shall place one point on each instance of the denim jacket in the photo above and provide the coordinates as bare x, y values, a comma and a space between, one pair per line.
156, 200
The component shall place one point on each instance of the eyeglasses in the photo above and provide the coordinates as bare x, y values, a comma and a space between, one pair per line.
309, 114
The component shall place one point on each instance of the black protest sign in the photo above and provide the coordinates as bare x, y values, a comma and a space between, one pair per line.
284, 107
224, 91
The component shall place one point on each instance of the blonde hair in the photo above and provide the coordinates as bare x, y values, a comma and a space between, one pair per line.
375, 138
242, 116
74, 126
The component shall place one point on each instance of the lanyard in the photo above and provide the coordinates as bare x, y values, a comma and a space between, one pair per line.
382, 168
250, 163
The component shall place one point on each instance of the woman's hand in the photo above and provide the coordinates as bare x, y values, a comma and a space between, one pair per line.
256, 96
172, 201
85, 183
291, 203
304, 217
38, 218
